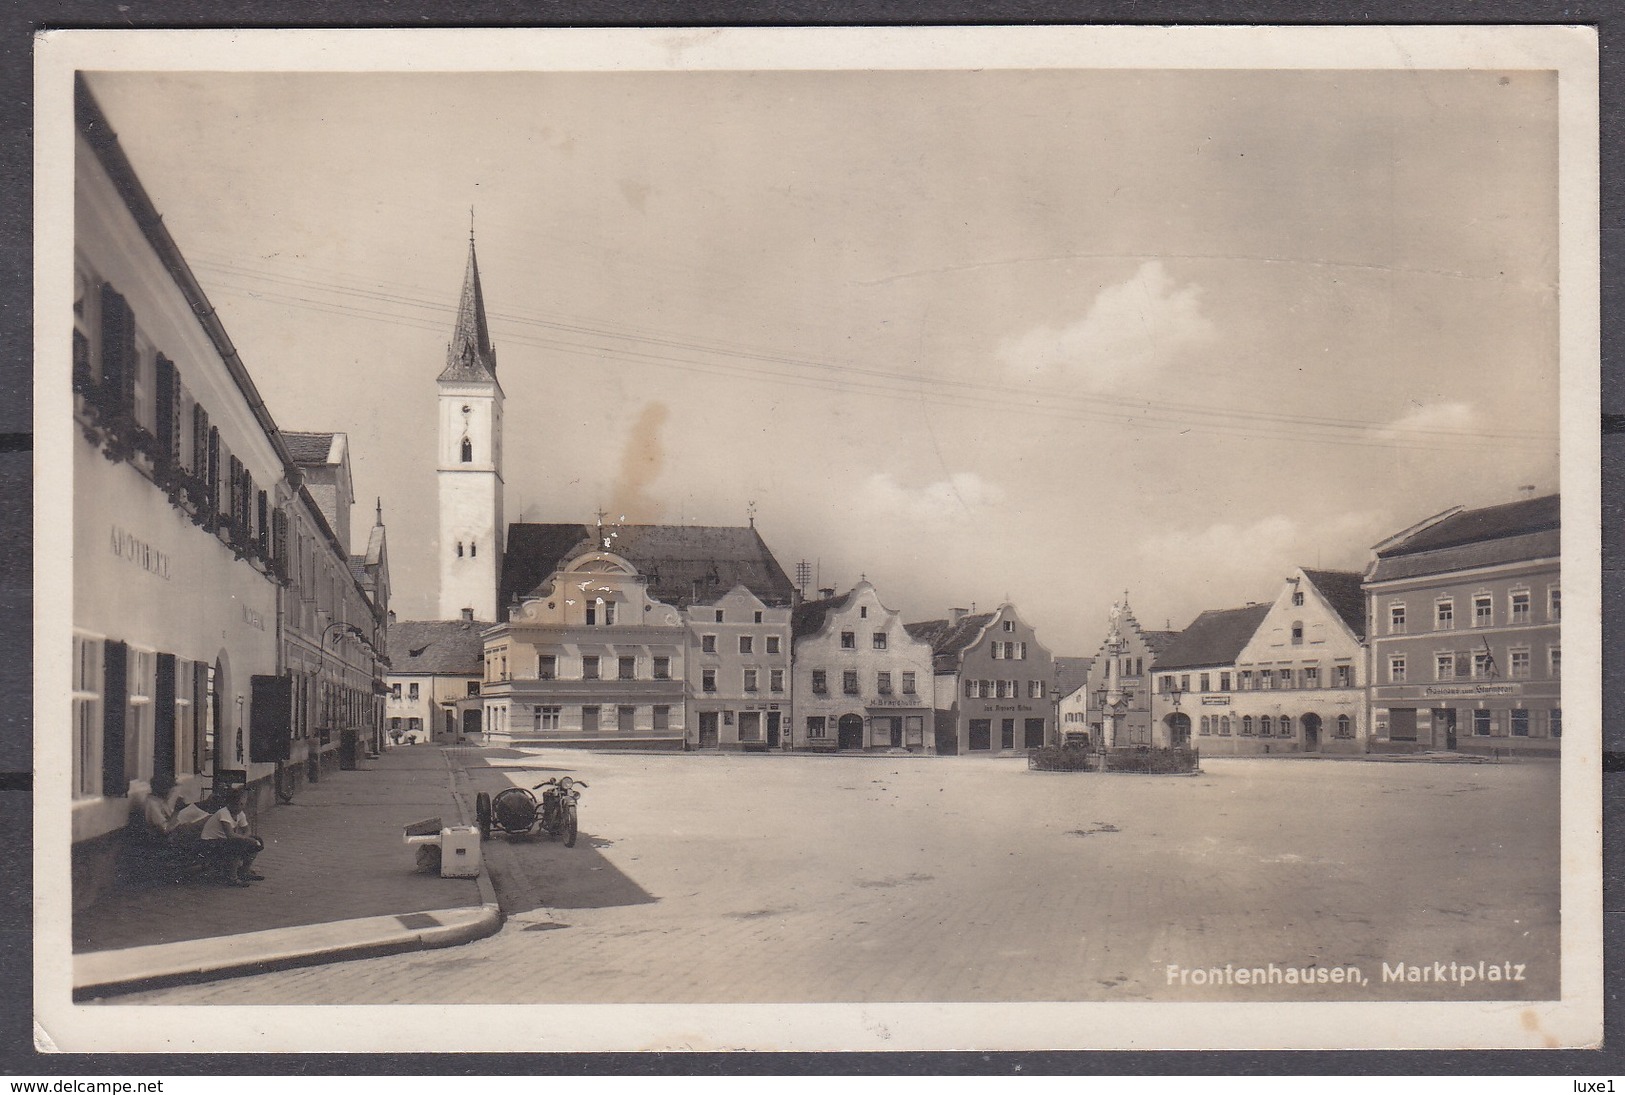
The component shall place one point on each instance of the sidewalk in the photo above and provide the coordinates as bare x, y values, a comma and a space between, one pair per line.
340, 883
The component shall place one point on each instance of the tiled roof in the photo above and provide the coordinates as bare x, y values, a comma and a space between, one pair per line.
1072, 674
949, 638
1213, 638
308, 448
1519, 518
358, 568
1341, 588
809, 616
1507, 549
430, 647
1158, 641
683, 564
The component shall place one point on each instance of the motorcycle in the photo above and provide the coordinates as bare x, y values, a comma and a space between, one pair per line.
516, 811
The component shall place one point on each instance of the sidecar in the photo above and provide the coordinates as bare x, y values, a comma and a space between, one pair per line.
514, 811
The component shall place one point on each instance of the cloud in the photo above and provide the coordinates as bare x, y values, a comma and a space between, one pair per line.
1128, 330
1230, 563
1431, 417
961, 494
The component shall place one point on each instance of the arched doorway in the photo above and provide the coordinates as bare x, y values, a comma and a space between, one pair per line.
1311, 731
849, 732
1179, 730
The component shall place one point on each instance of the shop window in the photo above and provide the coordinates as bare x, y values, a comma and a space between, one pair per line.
549, 717
1520, 722
626, 719
1007, 734
981, 735
1345, 726
1481, 724
589, 720
815, 726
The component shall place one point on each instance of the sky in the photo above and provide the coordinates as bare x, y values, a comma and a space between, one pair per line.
1037, 335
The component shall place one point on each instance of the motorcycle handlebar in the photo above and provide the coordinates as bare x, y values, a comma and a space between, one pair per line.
553, 780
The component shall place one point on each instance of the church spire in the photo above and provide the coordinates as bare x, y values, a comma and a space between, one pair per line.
470, 356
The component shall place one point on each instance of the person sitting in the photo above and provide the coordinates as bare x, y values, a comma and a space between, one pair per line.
230, 844
159, 813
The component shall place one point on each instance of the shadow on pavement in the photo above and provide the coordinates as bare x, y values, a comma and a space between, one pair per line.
532, 872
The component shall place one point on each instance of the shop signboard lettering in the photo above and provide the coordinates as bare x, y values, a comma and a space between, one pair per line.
1471, 690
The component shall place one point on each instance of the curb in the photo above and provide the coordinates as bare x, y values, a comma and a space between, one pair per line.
134, 968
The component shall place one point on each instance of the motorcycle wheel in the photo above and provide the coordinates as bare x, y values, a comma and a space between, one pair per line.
482, 813
570, 829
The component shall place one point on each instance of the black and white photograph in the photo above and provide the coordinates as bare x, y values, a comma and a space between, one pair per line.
817, 539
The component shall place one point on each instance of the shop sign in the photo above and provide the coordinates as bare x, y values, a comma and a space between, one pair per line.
913, 702
253, 618
1215, 701
994, 706
1472, 690
139, 552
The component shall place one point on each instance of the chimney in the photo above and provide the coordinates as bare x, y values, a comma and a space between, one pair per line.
957, 614
826, 592
468, 615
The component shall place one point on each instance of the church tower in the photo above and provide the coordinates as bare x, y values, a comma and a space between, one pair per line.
470, 461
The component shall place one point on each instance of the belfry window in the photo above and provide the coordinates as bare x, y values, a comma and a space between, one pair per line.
468, 451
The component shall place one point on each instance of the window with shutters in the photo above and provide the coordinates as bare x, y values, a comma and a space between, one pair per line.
262, 524
85, 329
87, 715
117, 389
185, 729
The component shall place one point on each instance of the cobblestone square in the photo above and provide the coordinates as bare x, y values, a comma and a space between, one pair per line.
740, 878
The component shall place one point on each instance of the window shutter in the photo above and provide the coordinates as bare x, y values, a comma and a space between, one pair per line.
115, 705
200, 442
212, 471
234, 497
163, 719
168, 418
262, 525
200, 713
118, 350
270, 733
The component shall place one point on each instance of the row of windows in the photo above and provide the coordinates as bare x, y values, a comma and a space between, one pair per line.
1519, 722
1003, 690
1478, 665
821, 726
594, 719
1009, 651
1520, 610
1262, 680
849, 682
980, 736
412, 692
1266, 727
592, 667
751, 680
747, 644
877, 641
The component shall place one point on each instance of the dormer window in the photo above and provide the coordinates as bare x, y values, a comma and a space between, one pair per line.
468, 451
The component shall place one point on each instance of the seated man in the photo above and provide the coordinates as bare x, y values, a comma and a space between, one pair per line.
227, 839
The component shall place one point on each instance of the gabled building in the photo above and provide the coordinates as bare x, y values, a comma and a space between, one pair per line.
1198, 669
1299, 682
732, 602
993, 681
434, 675
1124, 665
1465, 614
862, 682
1072, 709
